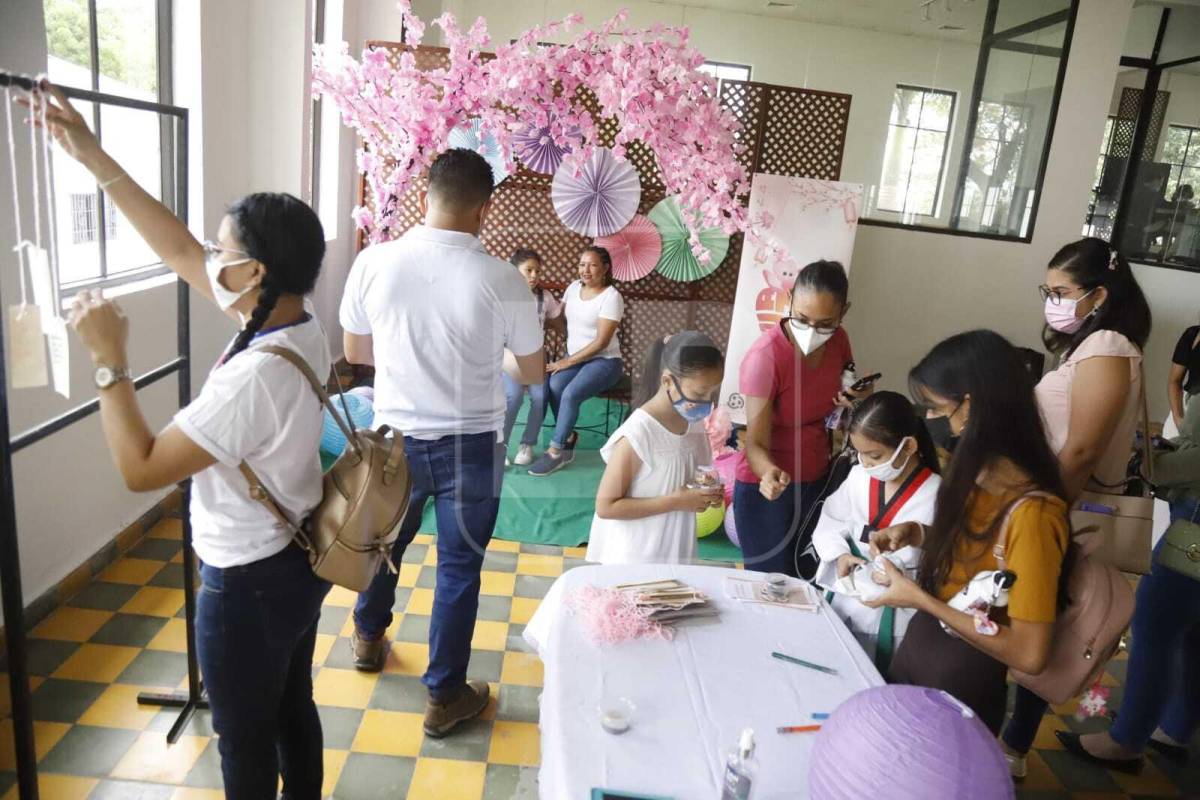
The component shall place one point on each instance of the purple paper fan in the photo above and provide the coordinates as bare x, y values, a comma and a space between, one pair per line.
601, 199
538, 151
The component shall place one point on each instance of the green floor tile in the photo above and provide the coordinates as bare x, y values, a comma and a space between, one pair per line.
518, 703
469, 742
169, 577
104, 596
46, 655
372, 777
497, 561
427, 578
494, 608
206, 772
129, 630
541, 549
157, 549
340, 655
1077, 775
533, 586
155, 668
399, 693
332, 620
339, 726
504, 782
415, 554
401, 601
485, 665
200, 723
572, 563
64, 701
128, 790
413, 628
88, 751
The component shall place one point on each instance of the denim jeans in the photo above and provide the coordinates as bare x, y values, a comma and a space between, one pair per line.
256, 626
770, 530
463, 475
514, 394
568, 389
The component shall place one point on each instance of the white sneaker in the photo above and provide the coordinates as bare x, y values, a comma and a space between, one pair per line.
524, 455
507, 461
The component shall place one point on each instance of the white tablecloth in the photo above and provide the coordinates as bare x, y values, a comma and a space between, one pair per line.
693, 694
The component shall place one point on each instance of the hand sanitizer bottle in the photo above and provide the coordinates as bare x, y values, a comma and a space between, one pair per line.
741, 768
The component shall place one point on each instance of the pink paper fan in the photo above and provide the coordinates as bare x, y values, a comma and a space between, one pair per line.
601, 199
538, 151
634, 249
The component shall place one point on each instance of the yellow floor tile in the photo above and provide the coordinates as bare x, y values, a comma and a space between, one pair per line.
172, 637
575, 552
59, 787
502, 546
408, 575
1040, 777
334, 760
430, 557
523, 609
131, 570
118, 707
515, 743
521, 669
1108, 680
1045, 739
489, 711
45, 736
101, 663
407, 658
72, 624
497, 583
155, 601
346, 688
389, 733
1068, 708
423, 538
1150, 782
177, 558
324, 644
544, 566
341, 597
447, 779
187, 793
420, 601
169, 528
152, 759
490, 635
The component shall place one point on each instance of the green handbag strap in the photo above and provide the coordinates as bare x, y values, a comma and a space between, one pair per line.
885, 639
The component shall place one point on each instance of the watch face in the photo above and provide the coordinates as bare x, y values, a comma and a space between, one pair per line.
104, 377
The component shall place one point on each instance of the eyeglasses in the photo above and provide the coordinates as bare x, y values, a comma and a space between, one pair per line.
212, 250
1055, 296
684, 397
803, 324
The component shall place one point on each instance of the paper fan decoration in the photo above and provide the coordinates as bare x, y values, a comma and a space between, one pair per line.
470, 137
601, 199
634, 249
677, 261
538, 151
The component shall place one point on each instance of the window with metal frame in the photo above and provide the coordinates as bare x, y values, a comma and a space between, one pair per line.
914, 157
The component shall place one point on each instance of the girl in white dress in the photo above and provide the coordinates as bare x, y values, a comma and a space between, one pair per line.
645, 513
894, 481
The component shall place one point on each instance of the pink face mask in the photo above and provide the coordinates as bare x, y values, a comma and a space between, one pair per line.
1062, 317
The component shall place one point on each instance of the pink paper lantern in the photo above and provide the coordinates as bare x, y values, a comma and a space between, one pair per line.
903, 742
634, 249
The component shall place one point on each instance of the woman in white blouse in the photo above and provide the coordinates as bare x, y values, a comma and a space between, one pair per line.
593, 310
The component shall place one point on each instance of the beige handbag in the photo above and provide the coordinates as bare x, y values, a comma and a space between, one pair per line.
1118, 529
349, 535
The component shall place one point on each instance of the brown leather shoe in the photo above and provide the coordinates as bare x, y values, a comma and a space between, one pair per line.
369, 654
440, 718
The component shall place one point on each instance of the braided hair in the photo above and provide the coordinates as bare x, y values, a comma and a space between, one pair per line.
285, 235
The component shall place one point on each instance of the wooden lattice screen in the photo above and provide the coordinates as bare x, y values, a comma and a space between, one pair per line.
786, 130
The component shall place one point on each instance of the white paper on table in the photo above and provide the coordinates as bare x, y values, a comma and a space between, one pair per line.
43, 287
747, 590
60, 356
26, 347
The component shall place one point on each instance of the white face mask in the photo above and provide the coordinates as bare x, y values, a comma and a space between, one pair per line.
807, 338
886, 471
225, 297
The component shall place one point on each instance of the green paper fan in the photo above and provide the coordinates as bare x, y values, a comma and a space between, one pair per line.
677, 261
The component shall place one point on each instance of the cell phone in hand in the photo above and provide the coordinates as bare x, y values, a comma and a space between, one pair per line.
863, 383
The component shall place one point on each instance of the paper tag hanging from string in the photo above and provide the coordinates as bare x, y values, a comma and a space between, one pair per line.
43, 286
26, 347
60, 356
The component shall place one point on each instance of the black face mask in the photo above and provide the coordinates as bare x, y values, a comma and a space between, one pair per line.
939, 431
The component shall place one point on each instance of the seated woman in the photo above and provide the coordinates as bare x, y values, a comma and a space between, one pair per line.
977, 381
895, 481
593, 309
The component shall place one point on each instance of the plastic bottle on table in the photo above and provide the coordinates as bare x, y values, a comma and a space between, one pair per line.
741, 769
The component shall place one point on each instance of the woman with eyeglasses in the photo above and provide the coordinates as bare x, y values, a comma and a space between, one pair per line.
791, 379
256, 615
1097, 322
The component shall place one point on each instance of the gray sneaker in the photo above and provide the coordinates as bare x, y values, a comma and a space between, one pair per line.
568, 451
441, 718
369, 654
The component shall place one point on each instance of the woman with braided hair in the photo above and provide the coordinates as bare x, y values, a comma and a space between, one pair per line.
256, 616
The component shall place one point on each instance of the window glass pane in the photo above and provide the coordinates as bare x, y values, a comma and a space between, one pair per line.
128, 47
1143, 28
77, 217
935, 114
893, 184
132, 138
1012, 13
1182, 38
68, 43
926, 170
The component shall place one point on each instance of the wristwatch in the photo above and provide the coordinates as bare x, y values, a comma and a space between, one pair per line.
106, 377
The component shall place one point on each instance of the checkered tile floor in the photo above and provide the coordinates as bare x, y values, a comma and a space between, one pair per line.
125, 633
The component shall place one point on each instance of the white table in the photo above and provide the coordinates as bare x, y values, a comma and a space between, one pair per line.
693, 694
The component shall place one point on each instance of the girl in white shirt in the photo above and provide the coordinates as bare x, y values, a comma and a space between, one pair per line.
644, 511
894, 481
256, 616
529, 263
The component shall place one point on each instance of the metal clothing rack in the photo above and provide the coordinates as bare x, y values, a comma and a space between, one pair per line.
10, 562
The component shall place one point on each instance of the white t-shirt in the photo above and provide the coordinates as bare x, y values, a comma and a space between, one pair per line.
440, 311
257, 408
583, 317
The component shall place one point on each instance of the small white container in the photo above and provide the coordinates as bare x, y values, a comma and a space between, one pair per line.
616, 714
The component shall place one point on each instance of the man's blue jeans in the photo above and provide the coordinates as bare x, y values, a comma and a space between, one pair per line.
514, 395
462, 474
570, 387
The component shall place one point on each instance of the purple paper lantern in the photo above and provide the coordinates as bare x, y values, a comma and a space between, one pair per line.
903, 742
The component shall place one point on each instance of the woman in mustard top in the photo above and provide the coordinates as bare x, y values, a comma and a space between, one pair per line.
979, 383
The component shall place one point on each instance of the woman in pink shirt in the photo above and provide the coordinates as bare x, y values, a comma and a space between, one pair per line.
787, 443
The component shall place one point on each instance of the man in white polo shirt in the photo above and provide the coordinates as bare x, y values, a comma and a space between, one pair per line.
433, 312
